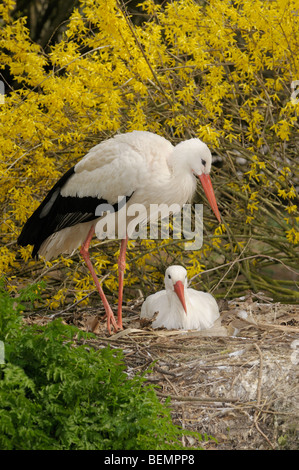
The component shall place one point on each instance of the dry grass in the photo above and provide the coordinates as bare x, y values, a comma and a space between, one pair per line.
237, 382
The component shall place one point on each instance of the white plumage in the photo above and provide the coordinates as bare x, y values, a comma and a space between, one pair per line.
140, 166
180, 307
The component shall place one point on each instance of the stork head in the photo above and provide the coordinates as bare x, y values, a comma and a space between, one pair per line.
196, 155
176, 281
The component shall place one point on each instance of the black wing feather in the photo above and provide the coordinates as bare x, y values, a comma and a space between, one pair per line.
33, 227
57, 212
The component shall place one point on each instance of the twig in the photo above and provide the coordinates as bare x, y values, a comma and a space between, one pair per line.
20, 157
243, 259
182, 407
197, 399
258, 397
232, 264
259, 384
163, 371
123, 9
63, 312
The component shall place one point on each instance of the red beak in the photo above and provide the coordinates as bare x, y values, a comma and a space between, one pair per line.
209, 192
179, 290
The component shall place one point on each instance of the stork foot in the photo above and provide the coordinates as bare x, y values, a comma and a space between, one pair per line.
111, 322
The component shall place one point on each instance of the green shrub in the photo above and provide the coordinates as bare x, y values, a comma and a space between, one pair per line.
58, 394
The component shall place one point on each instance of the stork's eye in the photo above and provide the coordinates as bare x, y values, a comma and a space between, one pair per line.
169, 276
203, 162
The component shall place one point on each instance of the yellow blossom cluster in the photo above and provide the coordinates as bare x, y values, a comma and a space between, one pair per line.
219, 70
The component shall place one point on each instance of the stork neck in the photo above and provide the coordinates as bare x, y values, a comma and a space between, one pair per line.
183, 181
178, 163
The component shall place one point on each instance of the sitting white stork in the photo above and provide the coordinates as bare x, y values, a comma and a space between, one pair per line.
180, 307
142, 167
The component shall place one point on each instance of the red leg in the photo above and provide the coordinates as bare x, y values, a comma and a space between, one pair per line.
84, 252
121, 270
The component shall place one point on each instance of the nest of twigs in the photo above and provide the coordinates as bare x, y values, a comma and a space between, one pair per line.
237, 382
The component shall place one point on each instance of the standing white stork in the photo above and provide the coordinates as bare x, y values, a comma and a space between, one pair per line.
142, 167
180, 307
